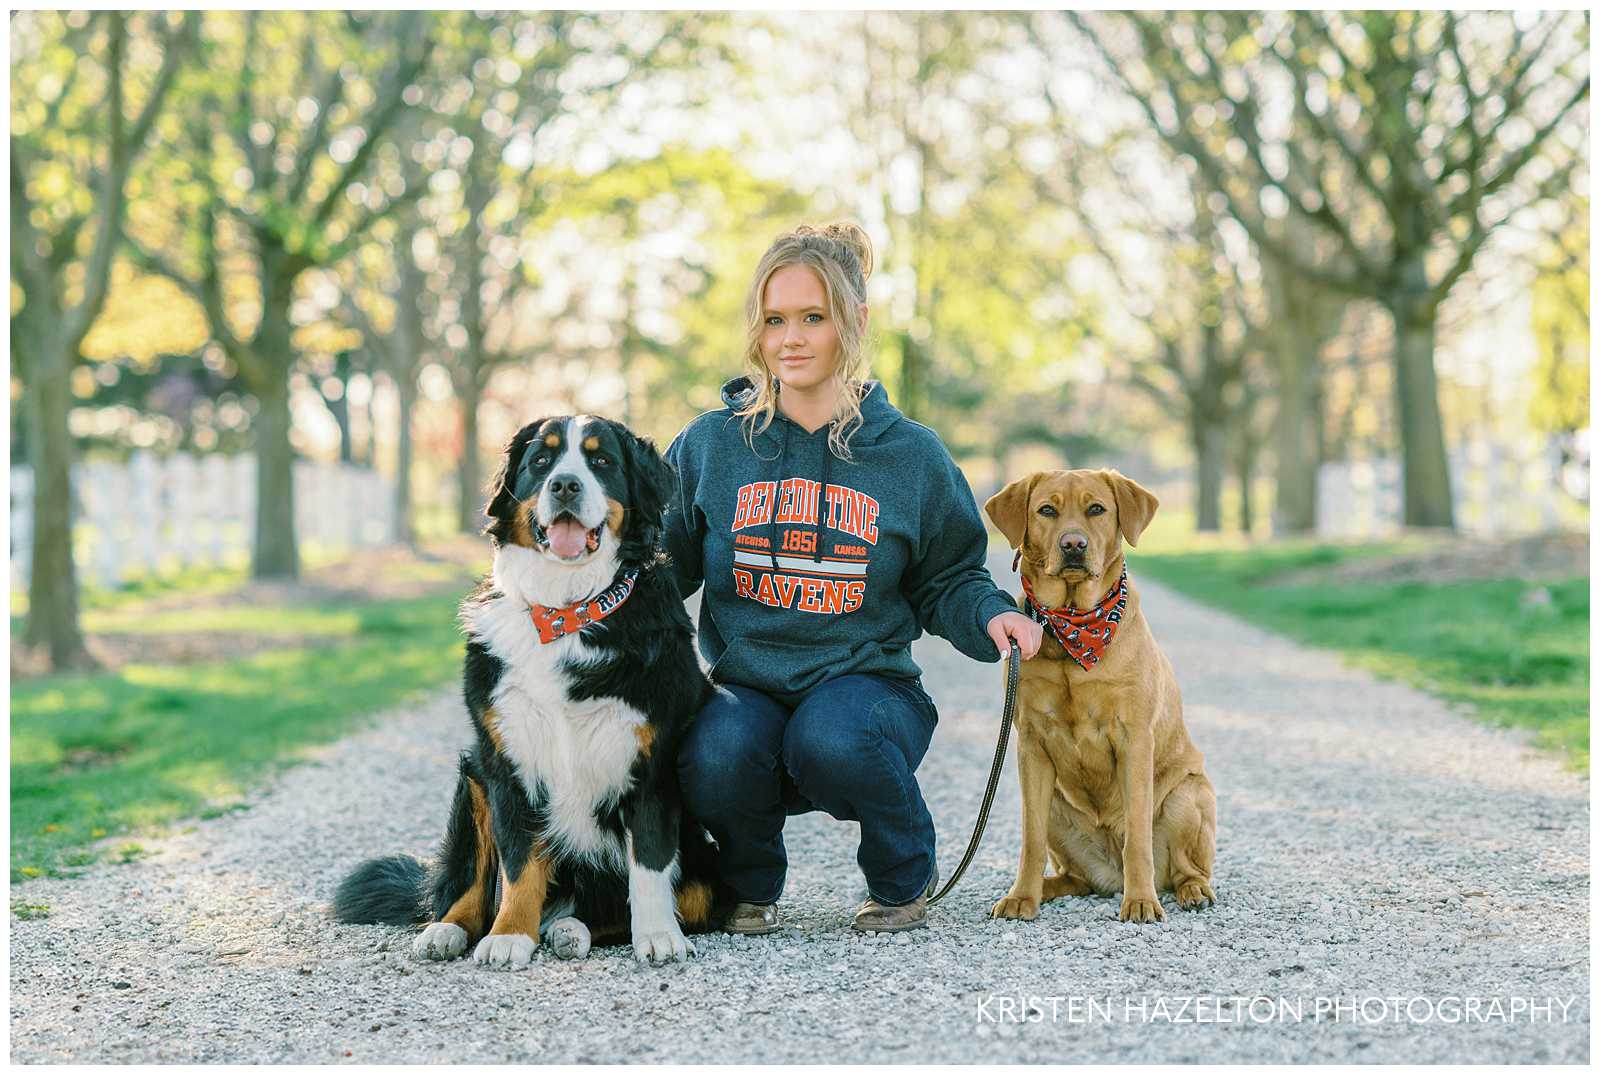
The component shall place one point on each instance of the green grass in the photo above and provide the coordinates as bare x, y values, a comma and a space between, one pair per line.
123, 610
130, 752
1470, 642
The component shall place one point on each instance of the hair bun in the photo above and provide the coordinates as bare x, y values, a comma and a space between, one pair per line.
855, 237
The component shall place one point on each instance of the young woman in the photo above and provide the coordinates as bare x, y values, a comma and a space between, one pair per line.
829, 531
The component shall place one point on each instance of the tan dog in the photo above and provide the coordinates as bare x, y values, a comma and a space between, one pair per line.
1111, 786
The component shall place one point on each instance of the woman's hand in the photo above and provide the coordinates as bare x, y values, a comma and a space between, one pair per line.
1015, 625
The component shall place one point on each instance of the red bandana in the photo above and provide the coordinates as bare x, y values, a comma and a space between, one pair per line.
552, 623
1084, 635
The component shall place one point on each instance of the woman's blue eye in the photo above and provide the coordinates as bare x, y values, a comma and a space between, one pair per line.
774, 319
816, 316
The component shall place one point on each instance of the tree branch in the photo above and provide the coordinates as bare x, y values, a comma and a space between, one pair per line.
1330, 128
1184, 141
26, 262
389, 103
150, 261
1509, 169
109, 199
331, 94
358, 231
1176, 407
244, 105
1481, 232
176, 43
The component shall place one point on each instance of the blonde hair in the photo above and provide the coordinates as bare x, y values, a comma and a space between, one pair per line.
841, 256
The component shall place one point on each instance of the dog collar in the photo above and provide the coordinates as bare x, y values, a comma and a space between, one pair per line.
553, 623
1084, 635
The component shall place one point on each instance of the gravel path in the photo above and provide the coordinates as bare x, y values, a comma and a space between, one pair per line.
1372, 845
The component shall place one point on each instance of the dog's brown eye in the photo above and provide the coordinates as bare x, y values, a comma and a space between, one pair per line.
1047, 510
602, 461
1095, 509
541, 459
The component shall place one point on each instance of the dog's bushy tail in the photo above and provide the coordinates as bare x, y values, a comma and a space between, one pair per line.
389, 891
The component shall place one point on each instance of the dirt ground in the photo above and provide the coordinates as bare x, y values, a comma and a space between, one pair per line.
1540, 556
1371, 844
373, 575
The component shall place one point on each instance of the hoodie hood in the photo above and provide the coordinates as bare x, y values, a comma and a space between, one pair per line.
878, 415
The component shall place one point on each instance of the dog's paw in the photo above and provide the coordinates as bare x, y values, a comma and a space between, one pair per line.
1193, 895
504, 950
1142, 909
569, 939
441, 940
661, 945
1013, 906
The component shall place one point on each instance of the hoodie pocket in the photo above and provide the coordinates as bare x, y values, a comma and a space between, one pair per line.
790, 668
778, 666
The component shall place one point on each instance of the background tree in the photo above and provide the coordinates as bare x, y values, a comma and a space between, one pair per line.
540, 88
1302, 316
1427, 131
74, 144
938, 110
1254, 424
280, 175
1192, 304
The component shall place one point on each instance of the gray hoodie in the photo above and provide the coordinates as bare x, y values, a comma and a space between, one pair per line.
795, 595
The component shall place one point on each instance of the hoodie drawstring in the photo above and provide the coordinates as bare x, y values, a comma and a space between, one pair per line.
777, 482
822, 502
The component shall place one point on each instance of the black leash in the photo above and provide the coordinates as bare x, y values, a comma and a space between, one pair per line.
1012, 670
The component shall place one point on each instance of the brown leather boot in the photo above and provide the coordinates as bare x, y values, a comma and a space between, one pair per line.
875, 917
752, 919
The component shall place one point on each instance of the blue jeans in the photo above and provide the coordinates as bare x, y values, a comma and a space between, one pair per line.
848, 747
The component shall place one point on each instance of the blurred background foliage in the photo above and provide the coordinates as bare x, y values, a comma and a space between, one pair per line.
1216, 250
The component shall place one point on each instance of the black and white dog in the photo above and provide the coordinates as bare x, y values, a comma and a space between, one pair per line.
581, 680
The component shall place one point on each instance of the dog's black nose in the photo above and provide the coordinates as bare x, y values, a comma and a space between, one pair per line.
565, 487
1073, 542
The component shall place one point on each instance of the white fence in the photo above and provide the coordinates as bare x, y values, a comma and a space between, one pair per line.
152, 514
1499, 489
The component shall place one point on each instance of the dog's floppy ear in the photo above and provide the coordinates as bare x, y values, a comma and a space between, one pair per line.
651, 481
1008, 509
503, 498
1136, 505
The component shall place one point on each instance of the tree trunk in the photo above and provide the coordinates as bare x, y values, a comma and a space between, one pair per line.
363, 448
1296, 435
1424, 465
913, 387
276, 553
1304, 315
404, 531
53, 582
1210, 455
407, 360
340, 408
471, 478
1245, 464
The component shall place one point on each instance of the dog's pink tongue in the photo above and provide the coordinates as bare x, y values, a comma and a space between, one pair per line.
567, 537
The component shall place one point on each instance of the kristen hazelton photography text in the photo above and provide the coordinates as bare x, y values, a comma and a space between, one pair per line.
519, 520
1263, 1009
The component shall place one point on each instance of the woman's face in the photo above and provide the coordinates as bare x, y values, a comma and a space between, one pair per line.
799, 340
